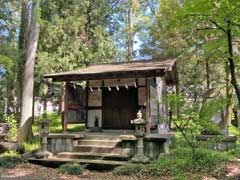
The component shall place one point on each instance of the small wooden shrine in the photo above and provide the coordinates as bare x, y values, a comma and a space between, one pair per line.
107, 98
108, 95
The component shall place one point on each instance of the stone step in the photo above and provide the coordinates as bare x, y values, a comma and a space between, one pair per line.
91, 155
101, 149
101, 137
94, 142
91, 163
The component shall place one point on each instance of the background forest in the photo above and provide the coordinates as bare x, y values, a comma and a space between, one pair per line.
40, 37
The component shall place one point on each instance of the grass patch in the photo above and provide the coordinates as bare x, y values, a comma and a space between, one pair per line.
55, 125
180, 162
32, 144
235, 152
10, 160
234, 130
71, 169
129, 169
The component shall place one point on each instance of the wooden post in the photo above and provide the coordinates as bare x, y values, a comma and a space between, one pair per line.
148, 112
62, 103
86, 90
65, 107
177, 94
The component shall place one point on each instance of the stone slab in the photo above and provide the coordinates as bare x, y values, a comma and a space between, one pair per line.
159, 137
66, 136
127, 137
229, 138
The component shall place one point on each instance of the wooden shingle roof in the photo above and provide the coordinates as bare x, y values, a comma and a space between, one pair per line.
133, 69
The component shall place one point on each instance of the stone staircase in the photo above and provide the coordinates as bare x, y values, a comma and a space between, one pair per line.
98, 149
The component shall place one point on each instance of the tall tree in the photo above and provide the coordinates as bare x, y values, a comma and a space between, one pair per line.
83, 24
200, 70
220, 19
127, 20
23, 40
9, 23
25, 130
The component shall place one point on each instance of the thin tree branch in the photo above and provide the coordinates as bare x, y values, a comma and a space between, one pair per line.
235, 24
218, 26
206, 28
151, 8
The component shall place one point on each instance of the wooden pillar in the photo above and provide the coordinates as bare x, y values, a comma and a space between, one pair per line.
62, 103
65, 107
177, 94
86, 90
148, 110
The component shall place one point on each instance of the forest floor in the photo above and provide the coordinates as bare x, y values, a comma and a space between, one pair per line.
28, 171
35, 172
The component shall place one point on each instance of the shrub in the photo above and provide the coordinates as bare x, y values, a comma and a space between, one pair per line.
71, 169
208, 160
129, 169
12, 122
235, 152
180, 162
10, 160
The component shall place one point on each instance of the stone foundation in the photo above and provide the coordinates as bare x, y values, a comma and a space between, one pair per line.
62, 142
217, 142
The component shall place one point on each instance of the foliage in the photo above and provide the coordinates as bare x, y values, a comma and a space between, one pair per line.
178, 164
71, 169
234, 130
194, 120
129, 169
235, 152
42, 118
179, 161
129, 22
10, 160
165, 40
12, 122
32, 144
9, 58
55, 124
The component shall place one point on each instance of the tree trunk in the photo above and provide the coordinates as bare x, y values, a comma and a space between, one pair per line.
44, 104
23, 38
25, 130
207, 74
207, 68
130, 35
232, 67
228, 114
24, 28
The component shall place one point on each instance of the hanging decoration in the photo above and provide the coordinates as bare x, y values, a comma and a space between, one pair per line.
126, 86
91, 89
135, 84
109, 88
117, 88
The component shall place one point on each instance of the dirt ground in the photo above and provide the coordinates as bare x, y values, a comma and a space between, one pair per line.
35, 172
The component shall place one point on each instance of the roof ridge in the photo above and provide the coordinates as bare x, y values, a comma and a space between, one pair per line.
133, 61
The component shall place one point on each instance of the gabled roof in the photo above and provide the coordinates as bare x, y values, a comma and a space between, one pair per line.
133, 69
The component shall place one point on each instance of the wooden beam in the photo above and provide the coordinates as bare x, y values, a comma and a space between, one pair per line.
148, 112
109, 75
